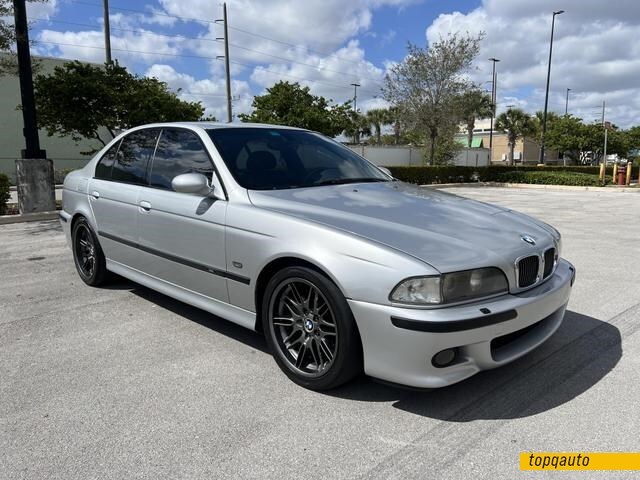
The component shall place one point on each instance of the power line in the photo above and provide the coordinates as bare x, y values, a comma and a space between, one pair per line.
206, 58
212, 22
183, 37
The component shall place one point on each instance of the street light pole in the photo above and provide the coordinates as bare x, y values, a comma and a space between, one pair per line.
34, 172
107, 32
566, 103
546, 96
355, 96
493, 102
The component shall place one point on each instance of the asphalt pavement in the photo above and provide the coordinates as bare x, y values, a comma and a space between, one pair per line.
122, 382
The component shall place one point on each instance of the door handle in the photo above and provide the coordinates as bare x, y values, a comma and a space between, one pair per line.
146, 206
95, 194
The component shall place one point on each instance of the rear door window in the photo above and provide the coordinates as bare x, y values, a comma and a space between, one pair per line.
179, 151
135, 151
103, 169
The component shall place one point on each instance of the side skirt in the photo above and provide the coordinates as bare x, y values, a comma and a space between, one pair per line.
229, 312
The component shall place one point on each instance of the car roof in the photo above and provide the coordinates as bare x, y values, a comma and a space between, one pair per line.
216, 125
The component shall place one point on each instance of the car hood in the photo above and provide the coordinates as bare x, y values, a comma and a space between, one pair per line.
444, 230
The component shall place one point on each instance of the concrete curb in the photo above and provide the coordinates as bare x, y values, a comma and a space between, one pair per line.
29, 217
610, 189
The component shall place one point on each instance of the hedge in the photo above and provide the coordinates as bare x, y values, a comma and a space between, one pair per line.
551, 178
5, 194
456, 174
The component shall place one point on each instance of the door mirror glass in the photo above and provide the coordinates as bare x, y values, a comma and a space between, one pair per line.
194, 183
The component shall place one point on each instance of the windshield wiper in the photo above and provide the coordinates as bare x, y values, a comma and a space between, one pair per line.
342, 181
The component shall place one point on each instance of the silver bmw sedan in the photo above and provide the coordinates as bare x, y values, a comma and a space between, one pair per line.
341, 267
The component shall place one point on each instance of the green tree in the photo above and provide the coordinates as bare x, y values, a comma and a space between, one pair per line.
473, 104
377, 118
8, 63
517, 124
290, 104
427, 83
357, 127
78, 98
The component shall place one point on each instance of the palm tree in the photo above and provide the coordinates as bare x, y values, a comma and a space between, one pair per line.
518, 124
358, 125
378, 117
475, 104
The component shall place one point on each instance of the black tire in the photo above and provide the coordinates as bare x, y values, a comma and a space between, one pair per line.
87, 254
328, 334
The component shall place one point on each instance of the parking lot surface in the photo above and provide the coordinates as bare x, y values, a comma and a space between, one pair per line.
122, 382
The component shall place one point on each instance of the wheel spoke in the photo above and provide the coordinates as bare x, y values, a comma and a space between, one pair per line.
284, 321
301, 354
325, 349
318, 361
287, 340
298, 298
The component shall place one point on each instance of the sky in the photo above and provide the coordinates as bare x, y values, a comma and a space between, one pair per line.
330, 44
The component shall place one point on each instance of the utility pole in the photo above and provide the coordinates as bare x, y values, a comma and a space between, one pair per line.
34, 173
546, 96
566, 103
226, 60
107, 32
355, 96
493, 102
603, 162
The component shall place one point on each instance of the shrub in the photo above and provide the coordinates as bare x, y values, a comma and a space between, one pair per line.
4, 193
551, 178
456, 174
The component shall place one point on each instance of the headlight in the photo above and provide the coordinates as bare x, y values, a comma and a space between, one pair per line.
450, 287
418, 290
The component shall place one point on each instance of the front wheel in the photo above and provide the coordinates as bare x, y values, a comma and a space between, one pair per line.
87, 254
310, 329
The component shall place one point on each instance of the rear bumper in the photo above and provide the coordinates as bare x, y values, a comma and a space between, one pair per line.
399, 343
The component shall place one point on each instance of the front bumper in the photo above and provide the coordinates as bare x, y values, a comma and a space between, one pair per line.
399, 343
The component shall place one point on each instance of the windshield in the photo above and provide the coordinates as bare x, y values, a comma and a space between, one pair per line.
278, 158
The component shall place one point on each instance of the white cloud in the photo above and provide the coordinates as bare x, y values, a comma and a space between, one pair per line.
595, 53
41, 9
210, 92
126, 47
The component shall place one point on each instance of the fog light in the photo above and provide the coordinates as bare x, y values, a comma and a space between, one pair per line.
444, 358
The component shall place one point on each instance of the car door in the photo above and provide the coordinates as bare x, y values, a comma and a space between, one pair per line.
182, 236
114, 191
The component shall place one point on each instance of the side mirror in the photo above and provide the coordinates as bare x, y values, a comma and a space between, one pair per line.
194, 183
386, 170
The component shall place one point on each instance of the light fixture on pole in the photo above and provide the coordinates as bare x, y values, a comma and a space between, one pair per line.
566, 103
493, 103
546, 96
355, 96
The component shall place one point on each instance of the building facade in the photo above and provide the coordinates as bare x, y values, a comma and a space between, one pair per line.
526, 151
64, 151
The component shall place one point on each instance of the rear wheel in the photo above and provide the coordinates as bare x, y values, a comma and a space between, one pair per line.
310, 329
87, 254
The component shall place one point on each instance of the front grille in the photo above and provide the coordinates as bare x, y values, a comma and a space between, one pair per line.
528, 271
549, 262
